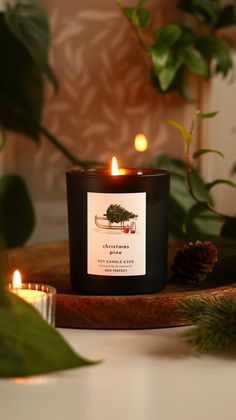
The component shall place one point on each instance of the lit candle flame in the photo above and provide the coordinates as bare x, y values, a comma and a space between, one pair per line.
140, 143
17, 283
114, 167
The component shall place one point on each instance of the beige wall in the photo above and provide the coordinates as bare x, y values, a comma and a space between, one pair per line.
220, 134
105, 99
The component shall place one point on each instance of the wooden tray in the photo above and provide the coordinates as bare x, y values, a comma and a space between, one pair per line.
49, 264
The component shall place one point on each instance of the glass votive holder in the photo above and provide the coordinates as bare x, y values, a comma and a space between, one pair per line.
41, 296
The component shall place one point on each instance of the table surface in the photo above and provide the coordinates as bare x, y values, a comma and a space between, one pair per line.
144, 375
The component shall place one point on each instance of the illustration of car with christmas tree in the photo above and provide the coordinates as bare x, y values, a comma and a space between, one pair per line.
116, 218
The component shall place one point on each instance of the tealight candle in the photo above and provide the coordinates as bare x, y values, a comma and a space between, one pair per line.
41, 296
118, 230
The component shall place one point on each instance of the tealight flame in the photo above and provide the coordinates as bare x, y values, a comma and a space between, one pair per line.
140, 143
17, 283
114, 167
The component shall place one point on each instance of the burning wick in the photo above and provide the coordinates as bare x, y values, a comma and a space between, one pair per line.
17, 283
114, 167
115, 170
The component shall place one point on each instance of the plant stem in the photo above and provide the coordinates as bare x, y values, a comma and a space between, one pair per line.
136, 30
53, 140
189, 170
50, 137
187, 157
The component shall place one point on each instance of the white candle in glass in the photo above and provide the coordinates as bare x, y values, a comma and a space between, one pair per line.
35, 297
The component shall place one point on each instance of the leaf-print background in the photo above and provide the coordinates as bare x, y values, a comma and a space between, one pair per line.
105, 99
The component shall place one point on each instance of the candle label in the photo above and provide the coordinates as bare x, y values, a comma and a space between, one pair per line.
116, 234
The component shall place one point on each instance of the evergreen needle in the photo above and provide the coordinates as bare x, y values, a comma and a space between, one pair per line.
214, 321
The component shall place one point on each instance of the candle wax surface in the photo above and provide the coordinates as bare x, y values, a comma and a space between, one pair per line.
30, 295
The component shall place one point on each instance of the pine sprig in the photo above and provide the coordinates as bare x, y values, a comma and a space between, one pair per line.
214, 322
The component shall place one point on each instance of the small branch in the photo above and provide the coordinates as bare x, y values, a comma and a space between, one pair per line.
187, 157
53, 140
189, 170
136, 31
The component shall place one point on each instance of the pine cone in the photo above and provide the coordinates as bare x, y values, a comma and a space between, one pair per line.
193, 262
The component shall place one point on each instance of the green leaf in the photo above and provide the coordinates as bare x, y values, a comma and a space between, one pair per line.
212, 184
204, 10
195, 62
200, 210
176, 84
185, 134
28, 22
228, 229
226, 16
186, 38
28, 345
160, 55
141, 17
184, 85
128, 11
142, 3
213, 47
168, 34
208, 115
201, 152
21, 84
167, 75
194, 211
17, 218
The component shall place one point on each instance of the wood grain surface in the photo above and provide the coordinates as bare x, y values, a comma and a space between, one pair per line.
49, 264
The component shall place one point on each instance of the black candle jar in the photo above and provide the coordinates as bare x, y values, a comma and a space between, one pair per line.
118, 231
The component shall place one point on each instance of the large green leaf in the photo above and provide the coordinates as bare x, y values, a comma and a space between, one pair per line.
199, 211
28, 22
169, 72
167, 35
204, 10
160, 55
186, 38
213, 47
17, 218
21, 84
28, 345
195, 62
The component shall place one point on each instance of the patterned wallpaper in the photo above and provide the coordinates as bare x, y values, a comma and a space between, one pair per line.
105, 95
